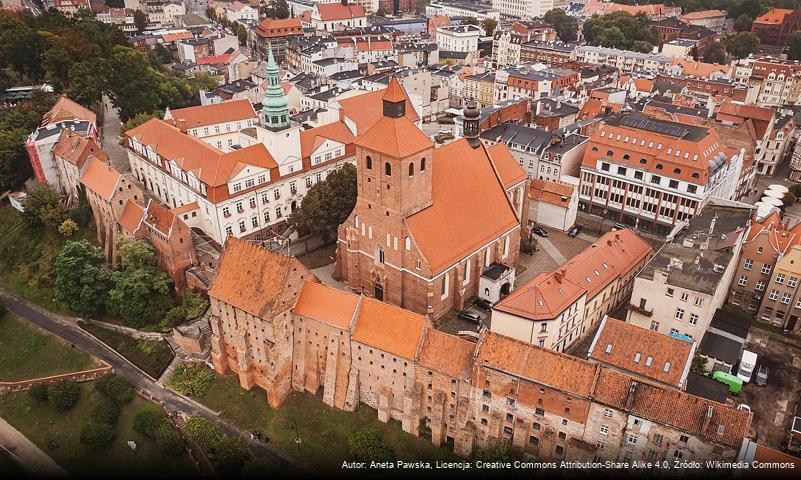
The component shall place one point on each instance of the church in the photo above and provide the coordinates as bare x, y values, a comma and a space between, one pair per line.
432, 227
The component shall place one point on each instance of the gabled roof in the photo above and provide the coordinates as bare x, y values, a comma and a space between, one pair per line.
469, 198
100, 178
389, 328
338, 11
327, 305
65, 109
447, 354
550, 192
132, 216
397, 137
77, 149
544, 297
312, 138
703, 15
509, 171
366, 109
642, 351
205, 115
773, 16
159, 217
254, 279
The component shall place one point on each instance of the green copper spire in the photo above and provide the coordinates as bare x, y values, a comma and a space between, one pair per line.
275, 105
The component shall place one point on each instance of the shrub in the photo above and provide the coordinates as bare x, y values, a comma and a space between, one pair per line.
169, 440
495, 452
63, 395
206, 434
146, 421
115, 387
39, 392
97, 436
68, 227
191, 380
231, 454
107, 411
367, 445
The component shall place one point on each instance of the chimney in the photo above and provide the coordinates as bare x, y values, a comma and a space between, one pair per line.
559, 275
707, 419
181, 124
630, 395
712, 224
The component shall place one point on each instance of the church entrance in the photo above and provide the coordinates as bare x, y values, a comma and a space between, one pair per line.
505, 289
378, 291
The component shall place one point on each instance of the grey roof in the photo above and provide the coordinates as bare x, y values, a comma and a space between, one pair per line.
495, 271
721, 348
329, 94
566, 144
324, 62
727, 323
473, 7
683, 42
449, 55
614, 52
551, 107
706, 387
80, 126
639, 121
672, 108
555, 46
236, 86
347, 75
519, 137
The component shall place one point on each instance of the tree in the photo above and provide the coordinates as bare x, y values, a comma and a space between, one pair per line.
133, 254
147, 421
82, 281
367, 445
489, 24
566, 26
206, 434
742, 44
230, 454
63, 395
327, 204
139, 119
68, 227
497, 451
794, 45
39, 392
276, 9
715, 53
43, 207
87, 81
140, 20
191, 380
97, 436
106, 411
620, 30
115, 387
140, 296
743, 23
168, 440
698, 364
470, 21
788, 199
15, 167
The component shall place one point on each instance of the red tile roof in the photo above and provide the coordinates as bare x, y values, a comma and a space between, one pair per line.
366, 109
100, 178
338, 11
509, 171
131, 217
66, 109
700, 69
206, 115
469, 198
397, 137
312, 138
773, 16
617, 344
327, 305
389, 328
447, 354
550, 192
273, 27
77, 149
544, 297
703, 15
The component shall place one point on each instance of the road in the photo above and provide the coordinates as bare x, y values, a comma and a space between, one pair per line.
28, 455
69, 331
110, 137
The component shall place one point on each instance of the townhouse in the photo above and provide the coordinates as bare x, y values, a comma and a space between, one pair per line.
71, 154
623, 60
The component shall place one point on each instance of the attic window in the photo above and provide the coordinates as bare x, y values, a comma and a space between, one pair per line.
677, 171
643, 161
695, 175
721, 429
588, 280
608, 348
596, 273
667, 367
606, 267
649, 361
637, 357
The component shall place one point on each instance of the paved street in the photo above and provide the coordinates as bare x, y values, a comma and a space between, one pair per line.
67, 329
110, 137
28, 455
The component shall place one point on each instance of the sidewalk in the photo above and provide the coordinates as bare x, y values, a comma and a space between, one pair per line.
28, 455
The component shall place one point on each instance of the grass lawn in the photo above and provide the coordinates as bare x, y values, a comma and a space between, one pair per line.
319, 258
152, 356
27, 256
29, 352
324, 432
47, 428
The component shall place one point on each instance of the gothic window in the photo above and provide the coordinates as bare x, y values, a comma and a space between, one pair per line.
369, 163
411, 169
388, 169
423, 165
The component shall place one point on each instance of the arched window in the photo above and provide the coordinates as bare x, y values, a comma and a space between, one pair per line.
423, 165
626, 156
609, 153
695, 175
594, 149
677, 171
388, 169
643, 161
659, 166
369, 163
411, 169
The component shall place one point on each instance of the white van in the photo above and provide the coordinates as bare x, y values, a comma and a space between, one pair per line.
747, 364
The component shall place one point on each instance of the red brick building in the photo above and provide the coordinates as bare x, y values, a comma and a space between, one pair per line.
271, 31
776, 25
428, 223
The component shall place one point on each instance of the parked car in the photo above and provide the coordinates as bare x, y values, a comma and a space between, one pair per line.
762, 375
747, 363
620, 226
574, 230
472, 317
539, 231
484, 304
734, 383
743, 407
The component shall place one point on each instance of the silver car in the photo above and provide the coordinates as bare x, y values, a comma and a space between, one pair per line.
762, 375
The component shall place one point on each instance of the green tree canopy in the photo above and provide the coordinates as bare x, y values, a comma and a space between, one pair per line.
276, 9
367, 445
43, 207
97, 436
470, 21
327, 204
82, 281
741, 44
621, 30
489, 24
743, 23
715, 53
566, 26
63, 395
794, 45
140, 296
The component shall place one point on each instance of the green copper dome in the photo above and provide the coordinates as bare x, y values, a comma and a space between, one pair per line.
275, 105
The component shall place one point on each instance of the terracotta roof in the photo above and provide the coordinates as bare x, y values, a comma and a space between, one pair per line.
673, 407
77, 149
100, 178
253, 278
447, 354
275, 23
605, 8
338, 11
618, 343
312, 138
773, 16
131, 217
703, 15
159, 217
469, 198
767, 455
366, 109
396, 137
66, 109
509, 171
205, 115
595, 107
780, 237
700, 69
437, 21
327, 305
544, 297
389, 328
550, 192
185, 208
174, 37
547, 367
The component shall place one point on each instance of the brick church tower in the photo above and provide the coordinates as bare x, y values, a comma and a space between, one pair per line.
393, 165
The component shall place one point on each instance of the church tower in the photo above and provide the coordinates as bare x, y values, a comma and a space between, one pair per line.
275, 106
471, 118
